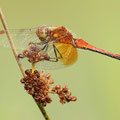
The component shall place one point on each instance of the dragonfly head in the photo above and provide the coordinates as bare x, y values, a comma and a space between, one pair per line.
41, 32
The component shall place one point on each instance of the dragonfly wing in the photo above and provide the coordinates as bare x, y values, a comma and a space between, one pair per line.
69, 56
21, 38
68, 52
42, 65
45, 65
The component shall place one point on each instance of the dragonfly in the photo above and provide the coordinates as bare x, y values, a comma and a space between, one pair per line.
58, 42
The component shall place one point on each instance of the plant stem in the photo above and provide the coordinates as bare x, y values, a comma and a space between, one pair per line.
17, 59
11, 41
33, 67
43, 112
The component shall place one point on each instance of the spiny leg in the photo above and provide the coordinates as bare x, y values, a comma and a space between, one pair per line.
45, 48
58, 52
38, 43
56, 56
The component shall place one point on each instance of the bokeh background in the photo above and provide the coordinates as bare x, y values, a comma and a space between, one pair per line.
94, 78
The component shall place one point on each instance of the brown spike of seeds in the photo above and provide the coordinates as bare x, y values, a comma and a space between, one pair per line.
38, 84
34, 54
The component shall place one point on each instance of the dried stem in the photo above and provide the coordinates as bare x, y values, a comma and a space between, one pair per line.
17, 59
11, 41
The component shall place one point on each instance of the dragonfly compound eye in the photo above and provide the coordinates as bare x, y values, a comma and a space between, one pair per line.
41, 33
42, 36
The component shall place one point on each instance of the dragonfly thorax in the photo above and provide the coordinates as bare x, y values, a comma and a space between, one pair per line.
60, 34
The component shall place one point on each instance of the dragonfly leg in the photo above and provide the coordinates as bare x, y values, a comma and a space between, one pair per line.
58, 52
32, 43
41, 43
45, 48
56, 56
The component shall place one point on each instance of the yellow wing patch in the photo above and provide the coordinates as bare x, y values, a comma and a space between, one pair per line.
68, 52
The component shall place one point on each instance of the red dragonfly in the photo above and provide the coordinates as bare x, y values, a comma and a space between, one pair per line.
58, 42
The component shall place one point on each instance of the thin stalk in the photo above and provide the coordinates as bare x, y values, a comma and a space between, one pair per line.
33, 67
43, 112
17, 59
11, 41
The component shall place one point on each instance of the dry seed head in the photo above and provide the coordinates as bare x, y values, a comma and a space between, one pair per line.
34, 54
38, 85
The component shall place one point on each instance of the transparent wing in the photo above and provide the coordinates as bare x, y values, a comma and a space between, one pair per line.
21, 38
44, 65
69, 56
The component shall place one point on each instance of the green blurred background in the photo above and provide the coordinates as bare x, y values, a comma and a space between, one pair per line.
94, 78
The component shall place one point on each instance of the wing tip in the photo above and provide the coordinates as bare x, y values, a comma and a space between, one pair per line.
2, 32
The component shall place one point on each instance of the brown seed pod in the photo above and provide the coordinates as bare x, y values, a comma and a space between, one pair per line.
38, 84
34, 54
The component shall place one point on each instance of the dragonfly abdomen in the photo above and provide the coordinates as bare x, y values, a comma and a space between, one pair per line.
79, 43
109, 54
